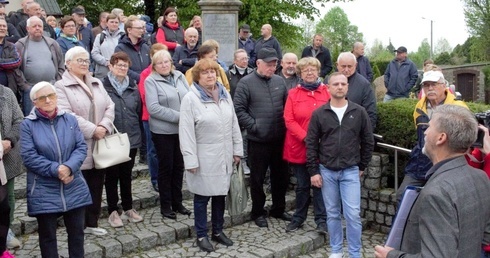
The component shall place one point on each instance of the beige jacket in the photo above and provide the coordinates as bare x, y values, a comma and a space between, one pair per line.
73, 99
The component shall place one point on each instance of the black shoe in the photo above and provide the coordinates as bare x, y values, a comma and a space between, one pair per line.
261, 222
169, 214
182, 210
222, 239
293, 226
321, 228
155, 187
284, 216
205, 245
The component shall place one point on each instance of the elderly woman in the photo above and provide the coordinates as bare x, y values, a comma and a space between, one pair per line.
151, 154
125, 95
53, 150
84, 96
170, 33
165, 88
67, 38
10, 120
302, 100
211, 146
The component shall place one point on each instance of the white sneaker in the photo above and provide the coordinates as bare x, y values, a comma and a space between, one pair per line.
132, 216
12, 241
114, 220
336, 255
95, 231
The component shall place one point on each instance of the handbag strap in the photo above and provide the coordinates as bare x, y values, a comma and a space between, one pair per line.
115, 129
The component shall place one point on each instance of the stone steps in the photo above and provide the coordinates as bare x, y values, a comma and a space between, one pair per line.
148, 234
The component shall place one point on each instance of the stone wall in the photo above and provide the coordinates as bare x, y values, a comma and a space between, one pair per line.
378, 203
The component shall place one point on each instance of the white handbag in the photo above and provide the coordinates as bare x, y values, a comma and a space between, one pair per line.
111, 150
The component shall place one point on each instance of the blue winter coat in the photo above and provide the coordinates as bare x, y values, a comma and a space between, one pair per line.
400, 78
45, 145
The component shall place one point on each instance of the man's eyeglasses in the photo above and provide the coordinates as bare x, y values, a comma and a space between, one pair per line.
431, 84
42, 99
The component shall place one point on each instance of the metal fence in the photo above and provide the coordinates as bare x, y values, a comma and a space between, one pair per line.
396, 149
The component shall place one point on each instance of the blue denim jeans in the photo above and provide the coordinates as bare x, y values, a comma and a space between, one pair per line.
151, 154
48, 223
27, 104
343, 189
303, 196
201, 215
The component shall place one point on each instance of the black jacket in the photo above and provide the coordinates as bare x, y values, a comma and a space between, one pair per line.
323, 56
339, 145
272, 42
234, 77
139, 55
361, 93
127, 111
259, 106
188, 57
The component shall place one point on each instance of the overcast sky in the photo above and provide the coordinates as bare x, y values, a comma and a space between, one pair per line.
401, 20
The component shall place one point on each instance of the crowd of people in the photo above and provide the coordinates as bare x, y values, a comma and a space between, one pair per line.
67, 84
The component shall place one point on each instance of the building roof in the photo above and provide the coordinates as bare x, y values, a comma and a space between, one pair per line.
51, 7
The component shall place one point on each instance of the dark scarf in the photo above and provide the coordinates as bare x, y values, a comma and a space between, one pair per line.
46, 115
310, 86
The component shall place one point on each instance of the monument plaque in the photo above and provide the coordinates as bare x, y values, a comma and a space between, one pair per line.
220, 22
218, 28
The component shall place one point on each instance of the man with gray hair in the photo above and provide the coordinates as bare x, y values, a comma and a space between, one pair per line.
451, 214
360, 90
436, 94
185, 56
37, 51
363, 65
288, 70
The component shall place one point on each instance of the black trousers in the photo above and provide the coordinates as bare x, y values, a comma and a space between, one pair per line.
260, 157
4, 217
120, 174
95, 181
170, 170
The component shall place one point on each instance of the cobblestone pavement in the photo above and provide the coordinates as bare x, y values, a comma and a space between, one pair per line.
157, 237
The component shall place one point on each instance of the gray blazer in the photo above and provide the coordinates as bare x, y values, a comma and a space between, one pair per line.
450, 215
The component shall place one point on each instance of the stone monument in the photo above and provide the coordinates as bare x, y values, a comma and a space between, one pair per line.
220, 22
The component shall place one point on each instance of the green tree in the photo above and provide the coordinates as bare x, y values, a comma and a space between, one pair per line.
477, 17
94, 7
379, 53
339, 34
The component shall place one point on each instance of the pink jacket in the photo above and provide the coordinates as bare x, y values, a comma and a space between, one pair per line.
300, 104
73, 99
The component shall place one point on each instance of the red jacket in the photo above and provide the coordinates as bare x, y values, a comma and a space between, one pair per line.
482, 163
141, 87
300, 104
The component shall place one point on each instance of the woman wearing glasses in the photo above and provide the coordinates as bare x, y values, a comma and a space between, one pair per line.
67, 38
85, 97
302, 100
164, 90
53, 150
127, 100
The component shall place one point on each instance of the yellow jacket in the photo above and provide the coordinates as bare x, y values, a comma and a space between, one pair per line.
421, 107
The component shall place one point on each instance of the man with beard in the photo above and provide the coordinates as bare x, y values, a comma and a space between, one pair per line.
288, 70
185, 56
436, 93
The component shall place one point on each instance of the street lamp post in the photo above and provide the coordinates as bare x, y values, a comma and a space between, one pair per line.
431, 37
